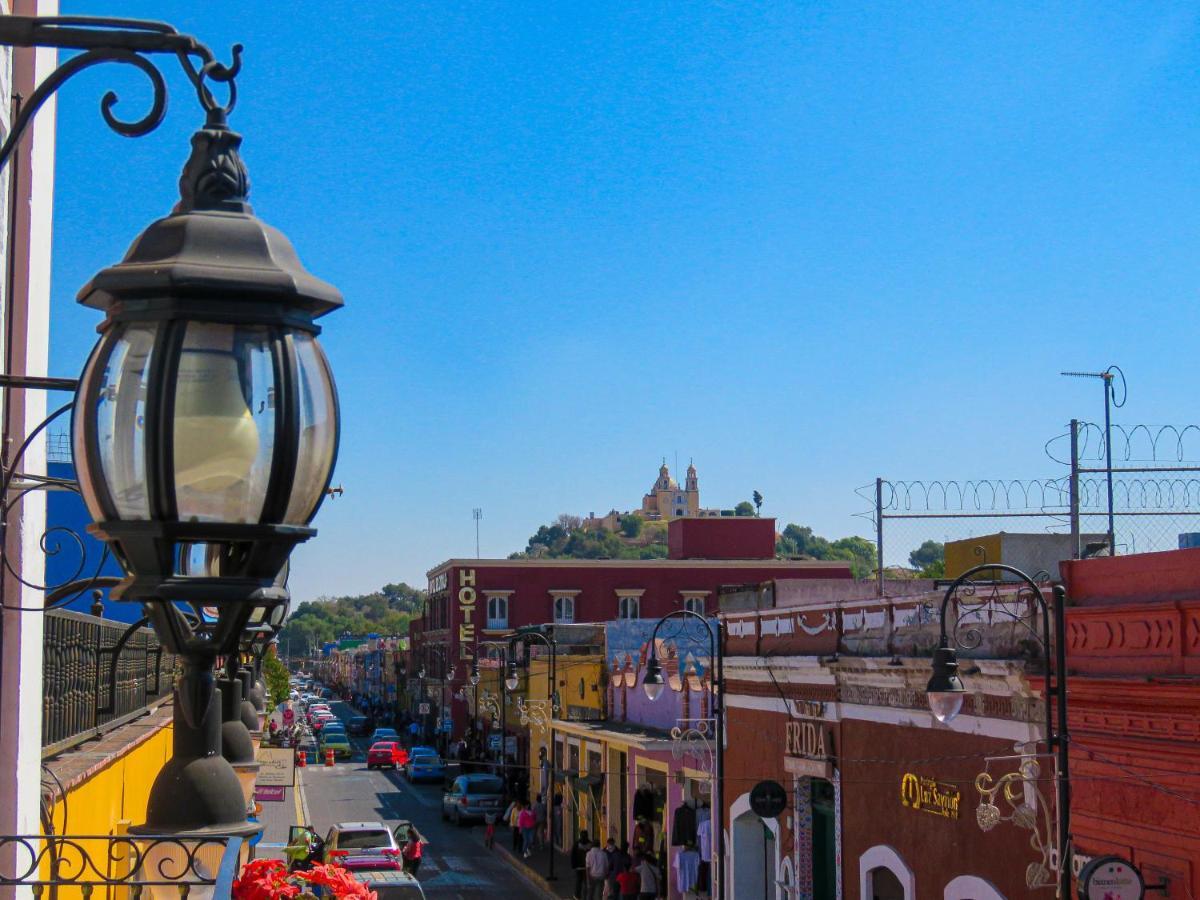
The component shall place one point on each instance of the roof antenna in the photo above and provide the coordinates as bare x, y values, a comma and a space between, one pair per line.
1108, 376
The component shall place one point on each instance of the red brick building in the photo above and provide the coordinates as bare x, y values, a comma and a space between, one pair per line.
826, 697
473, 600
1133, 652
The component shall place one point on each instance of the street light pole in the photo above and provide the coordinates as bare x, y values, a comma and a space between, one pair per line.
653, 685
527, 636
946, 692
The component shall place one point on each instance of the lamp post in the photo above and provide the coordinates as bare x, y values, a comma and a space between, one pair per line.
447, 674
946, 691
502, 700
512, 680
205, 424
653, 685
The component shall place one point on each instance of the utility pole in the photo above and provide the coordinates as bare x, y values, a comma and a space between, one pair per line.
477, 514
1107, 378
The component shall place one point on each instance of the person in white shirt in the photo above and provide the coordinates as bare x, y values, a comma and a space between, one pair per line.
596, 864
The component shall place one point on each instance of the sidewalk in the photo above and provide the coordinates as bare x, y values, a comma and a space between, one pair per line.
535, 868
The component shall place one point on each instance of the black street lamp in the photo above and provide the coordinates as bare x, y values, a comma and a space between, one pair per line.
544, 635
205, 424
946, 691
653, 684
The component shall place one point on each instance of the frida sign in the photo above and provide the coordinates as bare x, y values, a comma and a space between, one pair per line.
1111, 878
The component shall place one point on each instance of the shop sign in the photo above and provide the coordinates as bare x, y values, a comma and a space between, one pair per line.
808, 739
467, 597
768, 799
276, 767
925, 794
269, 794
1111, 878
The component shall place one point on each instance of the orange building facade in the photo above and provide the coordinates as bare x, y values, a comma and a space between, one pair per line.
1133, 653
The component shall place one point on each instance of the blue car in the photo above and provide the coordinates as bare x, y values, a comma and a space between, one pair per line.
384, 735
424, 764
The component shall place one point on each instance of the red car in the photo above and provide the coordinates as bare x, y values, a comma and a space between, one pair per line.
386, 753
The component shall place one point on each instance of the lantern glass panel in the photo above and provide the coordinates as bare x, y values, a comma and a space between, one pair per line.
120, 423
224, 423
318, 431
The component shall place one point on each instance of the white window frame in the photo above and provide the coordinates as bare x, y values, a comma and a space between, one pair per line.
694, 601
563, 606
629, 607
881, 856
500, 598
971, 887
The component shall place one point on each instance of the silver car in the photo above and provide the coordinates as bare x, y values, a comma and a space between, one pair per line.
473, 797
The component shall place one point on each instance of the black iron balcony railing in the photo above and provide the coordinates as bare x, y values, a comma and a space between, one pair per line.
93, 682
101, 866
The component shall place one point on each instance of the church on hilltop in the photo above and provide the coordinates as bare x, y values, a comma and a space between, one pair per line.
664, 501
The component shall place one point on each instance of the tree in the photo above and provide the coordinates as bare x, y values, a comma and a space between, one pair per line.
799, 540
631, 525
929, 557
758, 499
276, 676
745, 508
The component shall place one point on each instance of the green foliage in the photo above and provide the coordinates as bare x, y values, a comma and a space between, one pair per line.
936, 569
275, 674
565, 539
927, 555
745, 508
386, 611
631, 525
799, 540
758, 499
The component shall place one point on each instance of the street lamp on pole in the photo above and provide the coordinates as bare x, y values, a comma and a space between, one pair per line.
946, 691
205, 424
653, 684
544, 636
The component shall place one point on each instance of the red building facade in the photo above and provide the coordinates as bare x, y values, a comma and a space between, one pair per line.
474, 600
1133, 652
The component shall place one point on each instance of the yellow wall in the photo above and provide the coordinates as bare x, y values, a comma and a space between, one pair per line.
962, 555
112, 798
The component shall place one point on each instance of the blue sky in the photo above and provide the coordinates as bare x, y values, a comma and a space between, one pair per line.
803, 244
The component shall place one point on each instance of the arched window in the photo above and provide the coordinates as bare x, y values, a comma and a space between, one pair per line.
969, 887
883, 875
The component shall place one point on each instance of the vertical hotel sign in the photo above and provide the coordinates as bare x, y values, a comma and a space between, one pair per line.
467, 596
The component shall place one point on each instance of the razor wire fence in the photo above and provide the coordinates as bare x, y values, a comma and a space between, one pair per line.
1145, 497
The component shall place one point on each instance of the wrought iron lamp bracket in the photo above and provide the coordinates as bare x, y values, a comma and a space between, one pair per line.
126, 41
1013, 790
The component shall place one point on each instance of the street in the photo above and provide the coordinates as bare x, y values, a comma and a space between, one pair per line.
455, 863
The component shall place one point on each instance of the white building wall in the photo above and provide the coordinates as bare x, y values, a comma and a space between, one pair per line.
21, 633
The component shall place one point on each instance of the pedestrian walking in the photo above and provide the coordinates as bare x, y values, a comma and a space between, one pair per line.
412, 854
579, 863
596, 863
629, 883
527, 822
539, 825
647, 873
489, 829
512, 817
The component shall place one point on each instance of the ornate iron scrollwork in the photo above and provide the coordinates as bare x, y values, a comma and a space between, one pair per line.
695, 739
1013, 789
125, 41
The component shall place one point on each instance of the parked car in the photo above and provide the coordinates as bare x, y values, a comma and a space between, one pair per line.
424, 764
386, 753
393, 885
473, 797
362, 846
358, 725
320, 722
384, 734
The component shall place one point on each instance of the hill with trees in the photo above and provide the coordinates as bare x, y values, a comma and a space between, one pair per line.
386, 612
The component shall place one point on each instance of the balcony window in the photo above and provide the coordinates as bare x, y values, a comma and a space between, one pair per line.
629, 608
564, 610
497, 612
693, 601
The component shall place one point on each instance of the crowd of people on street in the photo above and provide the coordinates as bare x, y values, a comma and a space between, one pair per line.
610, 872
